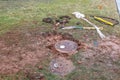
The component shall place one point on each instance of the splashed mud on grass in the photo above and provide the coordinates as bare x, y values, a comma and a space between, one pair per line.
109, 46
20, 49
105, 58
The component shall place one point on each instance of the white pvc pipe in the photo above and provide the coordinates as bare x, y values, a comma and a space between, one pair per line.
97, 29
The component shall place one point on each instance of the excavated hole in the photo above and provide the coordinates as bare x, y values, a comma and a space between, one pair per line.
56, 39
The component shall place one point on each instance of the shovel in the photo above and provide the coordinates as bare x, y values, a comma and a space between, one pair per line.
82, 16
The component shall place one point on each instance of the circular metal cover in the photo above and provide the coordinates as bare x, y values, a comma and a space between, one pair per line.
66, 46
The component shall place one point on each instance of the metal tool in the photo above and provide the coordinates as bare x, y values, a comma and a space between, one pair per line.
80, 27
82, 16
106, 20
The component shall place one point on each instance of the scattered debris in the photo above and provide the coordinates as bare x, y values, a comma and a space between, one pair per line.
65, 17
61, 66
48, 20
57, 22
78, 23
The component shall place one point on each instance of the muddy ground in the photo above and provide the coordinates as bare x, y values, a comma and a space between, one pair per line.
20, 49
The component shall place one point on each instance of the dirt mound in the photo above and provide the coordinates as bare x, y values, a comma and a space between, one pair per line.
105, 57
109, 47
61, 66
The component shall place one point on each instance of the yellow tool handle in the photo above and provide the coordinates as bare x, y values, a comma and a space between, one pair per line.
105, 21
101, 28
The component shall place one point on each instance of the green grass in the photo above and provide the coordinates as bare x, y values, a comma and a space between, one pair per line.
15, 12
22, 13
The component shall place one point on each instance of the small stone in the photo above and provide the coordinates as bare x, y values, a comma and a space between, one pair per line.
40, 67
79, 62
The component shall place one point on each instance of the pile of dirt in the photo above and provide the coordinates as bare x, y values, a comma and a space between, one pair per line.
109, 47
61, 66
102, 59
19, 49
106, 56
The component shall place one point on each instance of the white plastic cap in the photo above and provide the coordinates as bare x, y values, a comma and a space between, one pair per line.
62, 46
78, 15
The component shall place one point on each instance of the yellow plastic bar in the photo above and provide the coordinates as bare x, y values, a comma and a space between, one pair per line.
100, 19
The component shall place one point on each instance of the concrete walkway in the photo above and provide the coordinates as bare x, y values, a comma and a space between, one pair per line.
118, 5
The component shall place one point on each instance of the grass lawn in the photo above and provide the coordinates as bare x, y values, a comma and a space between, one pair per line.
24, 14
13, 13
